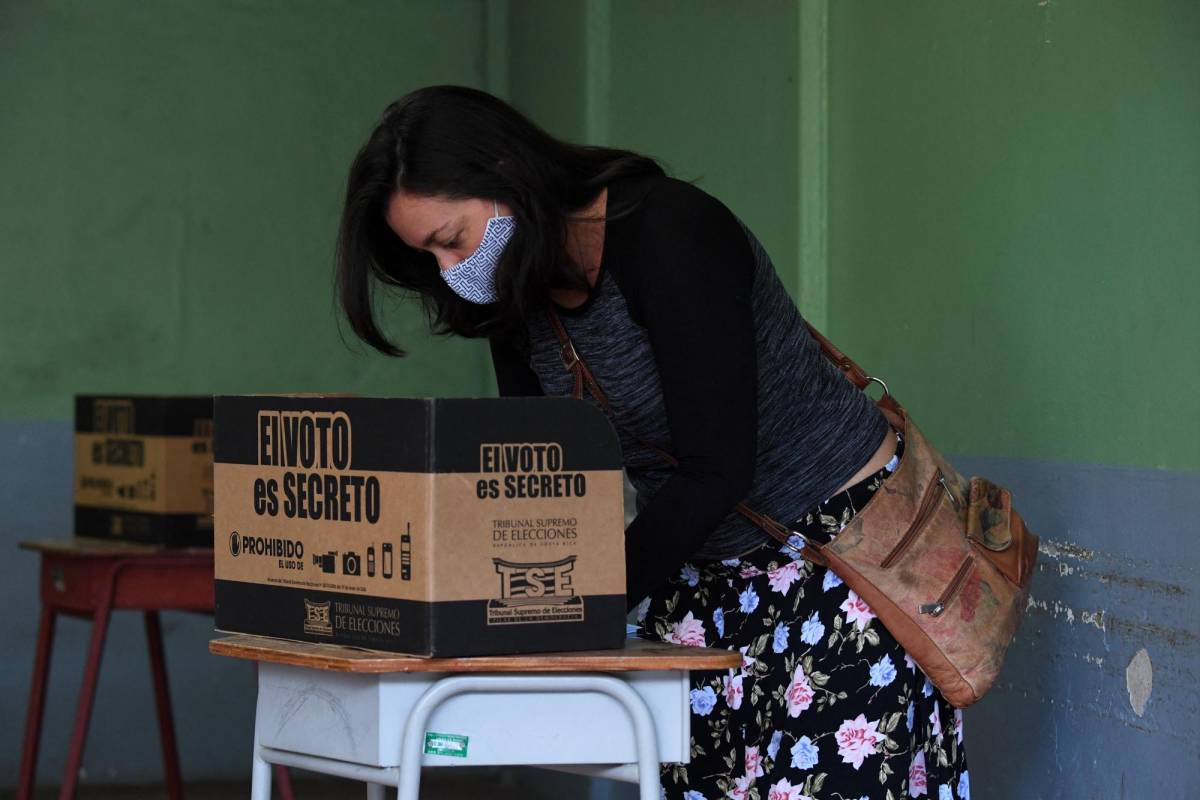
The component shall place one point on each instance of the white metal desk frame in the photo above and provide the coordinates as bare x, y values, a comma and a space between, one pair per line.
407, 776
364, 716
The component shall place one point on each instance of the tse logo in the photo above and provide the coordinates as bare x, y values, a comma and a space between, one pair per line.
535, 581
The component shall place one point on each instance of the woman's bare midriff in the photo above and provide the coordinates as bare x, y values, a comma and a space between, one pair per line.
883, 455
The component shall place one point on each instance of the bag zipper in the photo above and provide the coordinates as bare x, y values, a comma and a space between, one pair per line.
935, 609
928, 503
954, 501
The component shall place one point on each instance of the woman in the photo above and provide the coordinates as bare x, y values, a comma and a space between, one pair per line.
678, 311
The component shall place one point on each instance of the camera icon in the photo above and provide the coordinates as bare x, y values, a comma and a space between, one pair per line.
351, 563
326, 561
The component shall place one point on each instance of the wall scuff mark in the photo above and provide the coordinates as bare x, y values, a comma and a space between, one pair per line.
1139, 680
1056, 550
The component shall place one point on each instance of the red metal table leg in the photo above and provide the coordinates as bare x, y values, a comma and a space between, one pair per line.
37, 704
87, 694
78, 578
162, 701
283, 782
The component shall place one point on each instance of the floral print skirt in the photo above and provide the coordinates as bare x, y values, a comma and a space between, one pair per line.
826, 704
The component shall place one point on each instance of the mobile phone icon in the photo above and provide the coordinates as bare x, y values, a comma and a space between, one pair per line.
371, 561
406, 553
387, 559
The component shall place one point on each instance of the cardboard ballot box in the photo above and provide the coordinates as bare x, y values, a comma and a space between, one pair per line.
143, 468
438, 527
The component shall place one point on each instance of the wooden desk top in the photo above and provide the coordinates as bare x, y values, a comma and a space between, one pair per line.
638, 654
82, 546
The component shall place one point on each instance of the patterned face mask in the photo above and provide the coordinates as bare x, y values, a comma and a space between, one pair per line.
474, 278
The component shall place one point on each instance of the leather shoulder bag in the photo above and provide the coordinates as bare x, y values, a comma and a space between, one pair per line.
944, 562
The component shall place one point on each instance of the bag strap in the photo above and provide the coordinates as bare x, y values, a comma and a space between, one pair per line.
584, 379
858, 376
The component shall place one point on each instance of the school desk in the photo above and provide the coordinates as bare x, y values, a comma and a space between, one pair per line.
91, 578
379, 717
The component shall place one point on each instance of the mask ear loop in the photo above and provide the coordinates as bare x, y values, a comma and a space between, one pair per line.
496, 207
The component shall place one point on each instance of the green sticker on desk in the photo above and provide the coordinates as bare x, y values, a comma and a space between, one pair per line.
445, 744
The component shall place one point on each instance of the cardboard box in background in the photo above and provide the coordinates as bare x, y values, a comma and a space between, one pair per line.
435, 527
143, 468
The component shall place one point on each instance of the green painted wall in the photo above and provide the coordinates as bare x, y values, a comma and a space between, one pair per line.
1015, 191
1014, 202
711, 92
1015, 211
547, 64
173, 173
714, 94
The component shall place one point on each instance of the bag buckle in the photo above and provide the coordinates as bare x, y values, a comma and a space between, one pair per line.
873, 379
804, 540
569, 357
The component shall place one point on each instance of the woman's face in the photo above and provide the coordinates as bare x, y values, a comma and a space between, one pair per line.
449, 229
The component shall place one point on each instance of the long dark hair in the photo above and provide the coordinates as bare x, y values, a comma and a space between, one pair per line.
457, 142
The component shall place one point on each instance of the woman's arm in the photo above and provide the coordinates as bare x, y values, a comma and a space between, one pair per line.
514, 378
688, 283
